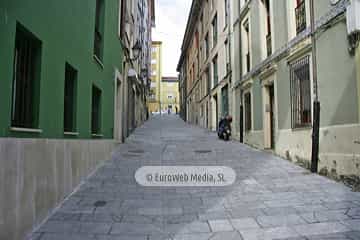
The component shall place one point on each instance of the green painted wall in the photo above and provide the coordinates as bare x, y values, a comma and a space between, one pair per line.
66, 29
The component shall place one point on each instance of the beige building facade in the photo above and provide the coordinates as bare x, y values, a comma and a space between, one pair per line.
272, 84
169, 95
153, 98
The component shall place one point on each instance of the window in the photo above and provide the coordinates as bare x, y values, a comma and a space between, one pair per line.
96, 111
300, 15
26, 79
247, 45
99, 29
70, 99
215, 30
122, 16
300, 93
208, 78
207, 46
227, 56
215, 71
202, 23
225, 100
247, 99
226, 7
268, 26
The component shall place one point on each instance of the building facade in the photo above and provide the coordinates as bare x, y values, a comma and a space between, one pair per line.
154, 101
279, 73
63, 101
136, 22
169, 95
205, 63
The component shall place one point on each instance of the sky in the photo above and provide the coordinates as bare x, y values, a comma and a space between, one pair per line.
171, 18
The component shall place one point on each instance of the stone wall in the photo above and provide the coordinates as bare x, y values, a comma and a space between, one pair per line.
37, 174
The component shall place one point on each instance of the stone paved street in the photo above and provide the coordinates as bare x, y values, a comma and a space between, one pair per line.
271, 199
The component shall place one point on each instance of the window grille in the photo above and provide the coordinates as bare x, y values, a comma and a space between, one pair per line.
300, 93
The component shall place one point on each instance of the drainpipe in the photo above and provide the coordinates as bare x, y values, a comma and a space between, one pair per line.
241, 119
316, 103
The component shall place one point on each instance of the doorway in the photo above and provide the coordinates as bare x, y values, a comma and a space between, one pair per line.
272, 117
269, 119
215, 113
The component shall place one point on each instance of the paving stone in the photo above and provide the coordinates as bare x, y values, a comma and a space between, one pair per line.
67, 236
321, 228
325, 216
220, 225
352, 224
194, 236
269, 233
95, 228
226, 235
139, 229
280, 220
121, 237
60, 227
160, 211
194, 227
244, 223
214, 215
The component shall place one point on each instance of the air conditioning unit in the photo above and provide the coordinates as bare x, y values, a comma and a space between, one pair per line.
353, 17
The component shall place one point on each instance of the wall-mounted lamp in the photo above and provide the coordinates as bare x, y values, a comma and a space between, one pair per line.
136, 51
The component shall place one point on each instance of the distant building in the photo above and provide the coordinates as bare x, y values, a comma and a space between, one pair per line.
153, 97
169, 94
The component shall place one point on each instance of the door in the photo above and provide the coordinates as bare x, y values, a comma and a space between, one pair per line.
215, 113
272, 116
118, 112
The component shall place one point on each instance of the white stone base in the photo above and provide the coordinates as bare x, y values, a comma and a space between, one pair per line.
36, 175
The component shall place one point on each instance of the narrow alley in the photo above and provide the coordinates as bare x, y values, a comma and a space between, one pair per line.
271, 198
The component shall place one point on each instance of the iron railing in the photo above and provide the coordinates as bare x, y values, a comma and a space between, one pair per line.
300, 93
268, 45
300, 15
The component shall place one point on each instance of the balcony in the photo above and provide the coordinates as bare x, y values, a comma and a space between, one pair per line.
300, 15
268, 45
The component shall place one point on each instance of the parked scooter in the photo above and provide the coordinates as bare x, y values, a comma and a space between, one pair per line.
224, 130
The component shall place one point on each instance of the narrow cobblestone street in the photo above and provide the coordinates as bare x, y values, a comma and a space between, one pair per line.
271, 199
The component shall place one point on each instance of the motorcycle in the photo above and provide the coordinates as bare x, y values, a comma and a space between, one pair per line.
224, 130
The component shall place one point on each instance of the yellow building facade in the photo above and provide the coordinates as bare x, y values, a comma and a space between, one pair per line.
169, 94
153, 101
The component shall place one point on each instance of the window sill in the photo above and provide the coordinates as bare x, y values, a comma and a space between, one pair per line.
98, 61
25, 130
304, 128
71, 133
94, 135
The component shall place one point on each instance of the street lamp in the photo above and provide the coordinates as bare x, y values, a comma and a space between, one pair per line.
136, 51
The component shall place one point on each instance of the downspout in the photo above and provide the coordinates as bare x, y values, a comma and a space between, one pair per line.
316, 103
241, 118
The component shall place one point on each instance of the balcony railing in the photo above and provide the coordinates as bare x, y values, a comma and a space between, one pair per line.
268, 45
300, 15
